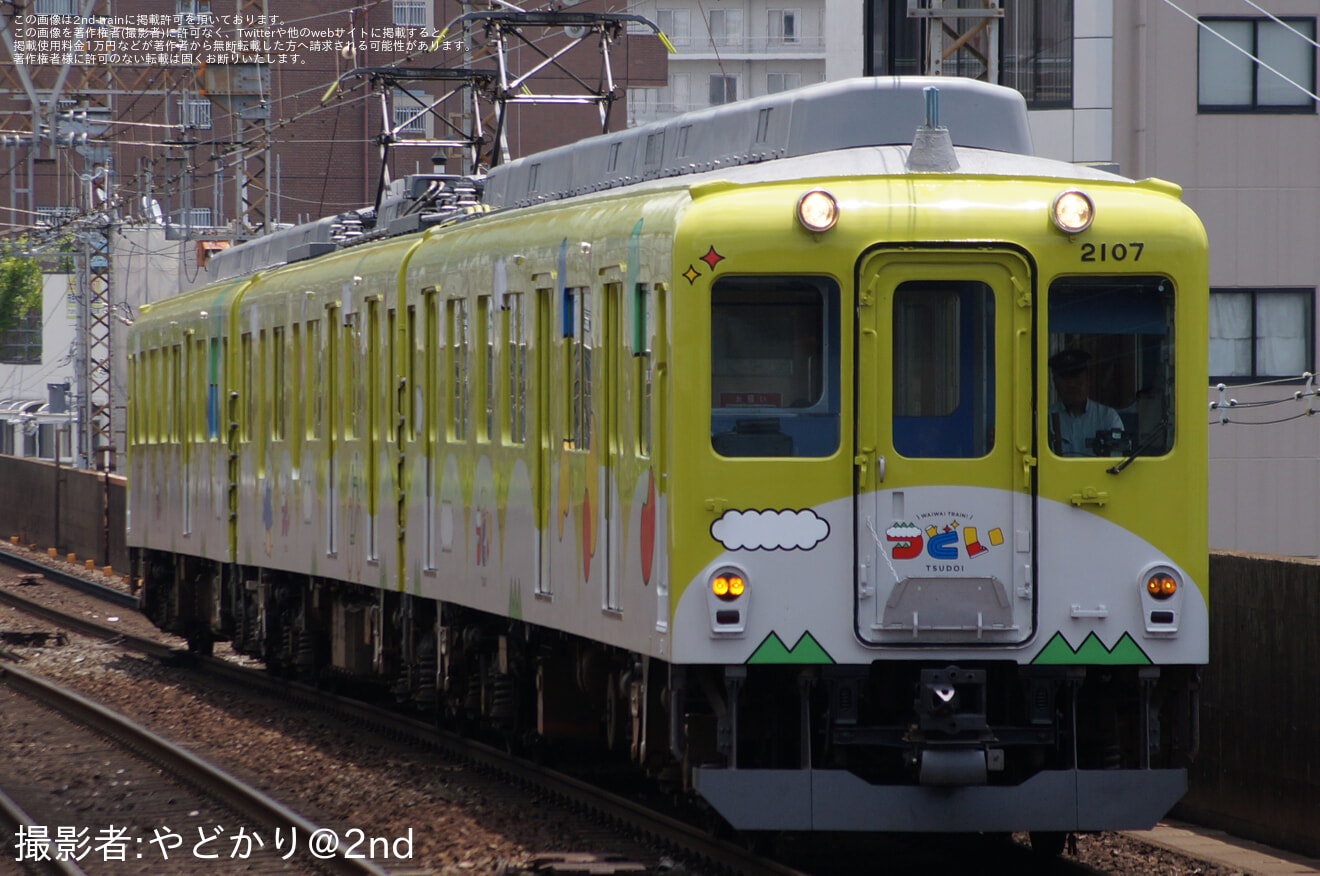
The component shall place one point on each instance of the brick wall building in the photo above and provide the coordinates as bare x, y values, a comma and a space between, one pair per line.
157, 104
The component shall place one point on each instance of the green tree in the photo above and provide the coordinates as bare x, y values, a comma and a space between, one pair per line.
20, 290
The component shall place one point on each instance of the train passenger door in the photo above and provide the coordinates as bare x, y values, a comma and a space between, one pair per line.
944, 448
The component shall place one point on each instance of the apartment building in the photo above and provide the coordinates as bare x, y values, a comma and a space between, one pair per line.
198, 113
727, 50
1219, 96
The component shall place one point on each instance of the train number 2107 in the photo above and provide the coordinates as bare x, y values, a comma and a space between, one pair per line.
1112, 252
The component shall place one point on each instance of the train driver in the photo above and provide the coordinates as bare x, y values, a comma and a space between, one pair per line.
1076, 419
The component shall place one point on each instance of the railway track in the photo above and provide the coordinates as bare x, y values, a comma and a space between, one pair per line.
526, 781
665, 832
160, 807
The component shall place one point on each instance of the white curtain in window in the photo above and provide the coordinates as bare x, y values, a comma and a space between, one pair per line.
677, 25
1292, 56
1230, 334
1282, 326
1224, 73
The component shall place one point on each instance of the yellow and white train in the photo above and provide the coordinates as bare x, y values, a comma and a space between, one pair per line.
733, 443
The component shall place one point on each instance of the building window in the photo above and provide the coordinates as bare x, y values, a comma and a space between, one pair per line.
67, 8
408, 114
1036, 51
676, 96
195, 217
195, 114
21, 345
783, 26
1035, 48
777, 82
723, 89
192, 13
676, 24
726, 27
410, 13
642, 103
1261, 333
1229, 81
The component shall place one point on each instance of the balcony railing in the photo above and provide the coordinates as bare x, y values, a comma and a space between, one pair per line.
758, 45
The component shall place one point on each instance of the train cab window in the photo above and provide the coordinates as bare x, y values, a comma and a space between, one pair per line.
944, 369
1111, 358
774, 367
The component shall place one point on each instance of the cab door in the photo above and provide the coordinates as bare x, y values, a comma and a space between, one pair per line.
944, 447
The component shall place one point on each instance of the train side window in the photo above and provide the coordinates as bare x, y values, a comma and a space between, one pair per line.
353, 378
134, 402
249, 403
775, 367
212, 368
137, 400
1117, 333
412, 393
485, 343
200, 390
456, 340
279, 391
644, 365
515, 346
578, 349
261, 418
172, 393
316, 358
299, 376
944, 369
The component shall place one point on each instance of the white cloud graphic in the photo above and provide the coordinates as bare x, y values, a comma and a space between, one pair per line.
770, 530
904, 531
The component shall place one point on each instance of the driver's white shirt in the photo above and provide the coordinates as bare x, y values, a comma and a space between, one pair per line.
1076, 431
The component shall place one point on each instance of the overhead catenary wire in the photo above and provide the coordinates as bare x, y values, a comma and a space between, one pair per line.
234, 152
1309, 393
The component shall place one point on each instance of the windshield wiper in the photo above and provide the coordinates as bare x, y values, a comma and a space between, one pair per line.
1158, 432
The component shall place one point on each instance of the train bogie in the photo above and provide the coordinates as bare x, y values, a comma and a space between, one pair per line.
771, 478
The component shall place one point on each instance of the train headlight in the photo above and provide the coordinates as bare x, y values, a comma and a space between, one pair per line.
817, 210
1073, 211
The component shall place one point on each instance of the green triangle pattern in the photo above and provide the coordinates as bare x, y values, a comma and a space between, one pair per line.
771, 650
1093, 652
1128, 652
806, 650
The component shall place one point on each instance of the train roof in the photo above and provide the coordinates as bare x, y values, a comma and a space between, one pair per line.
893, 161
855, 127
871, 111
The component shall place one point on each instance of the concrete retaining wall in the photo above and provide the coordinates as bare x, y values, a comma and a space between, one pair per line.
1258, 772
64, 508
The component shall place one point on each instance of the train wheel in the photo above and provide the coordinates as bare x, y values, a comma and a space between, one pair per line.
1048, 843
200, 641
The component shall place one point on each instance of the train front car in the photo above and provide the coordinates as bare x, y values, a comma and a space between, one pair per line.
938, 491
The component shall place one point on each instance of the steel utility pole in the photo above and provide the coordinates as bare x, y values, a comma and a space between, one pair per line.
947, 35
